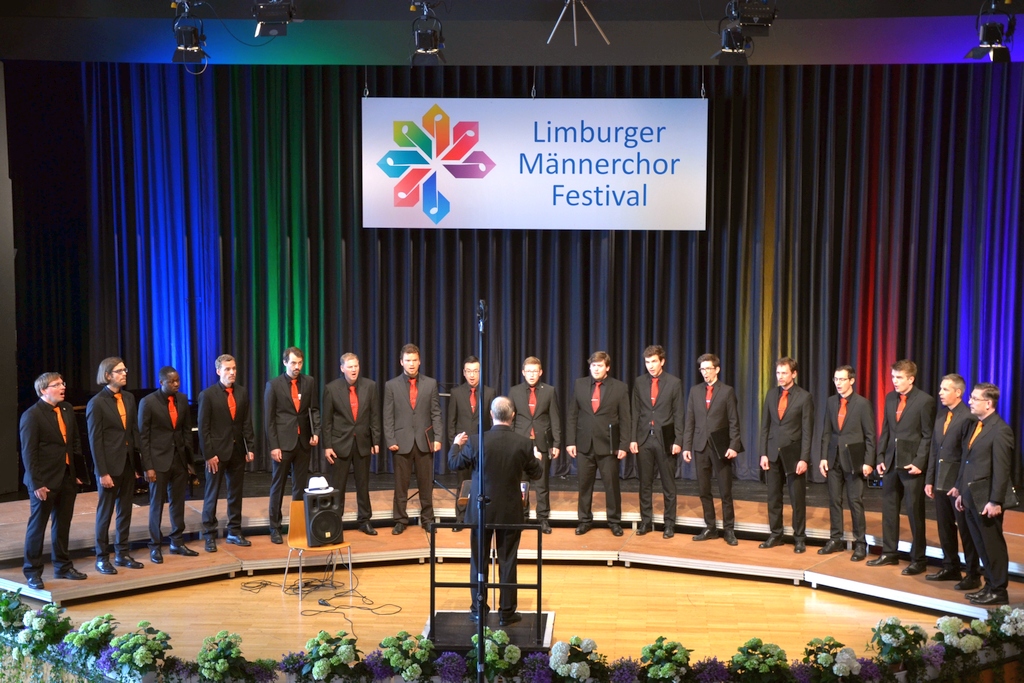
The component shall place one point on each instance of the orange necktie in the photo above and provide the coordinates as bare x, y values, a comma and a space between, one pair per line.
173, 411
120, 409
353, 402
842, 411
654, 391
707, 396
413, 393
901, 406
533, 408
63, 432
231, 401
977, 430
949, 418
595, 400
783, 402
296, 400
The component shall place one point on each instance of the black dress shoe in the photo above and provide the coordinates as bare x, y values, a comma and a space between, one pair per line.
545, 526
367, 529
643, 529
984, 590
832, 546
969, 583
510, 619
583, 528
398, 529
944, 574
71, 574
915, 568
35, 581
183, 550
211, 545
103, 566
669, 531
883, 560
800, 546
127, 561
706, 535
859, 553
156, 556
730, 537
616, 531
770, 542
474, 617
993, 597
240, 540
275, 537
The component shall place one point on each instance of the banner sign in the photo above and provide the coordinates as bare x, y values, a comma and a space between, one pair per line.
562, 164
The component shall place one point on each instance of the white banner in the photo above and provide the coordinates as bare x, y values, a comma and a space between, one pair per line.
562, 164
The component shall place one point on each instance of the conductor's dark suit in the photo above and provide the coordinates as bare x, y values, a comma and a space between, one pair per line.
787, 438
902, 443
507, 457
462, 418
845, 466
597, 437
944, 458
702, 420
290, 430
352, 440
167, 450
984, 478
414, 431
113, 443
655, 429
49, 462
229, 439
544, 427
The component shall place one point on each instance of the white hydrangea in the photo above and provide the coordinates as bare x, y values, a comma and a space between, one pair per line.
971, 644
580, 671
559, 655
846, 660
949, 626
588, 645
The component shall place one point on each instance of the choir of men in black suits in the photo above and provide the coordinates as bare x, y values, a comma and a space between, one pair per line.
597, 434
712, 435
984, 485
227, 440
657, 430
847, 451
291, 414
49, 444
953, 422
464, 408
112, 418
787, 425
536, 405
165, 437
507, 457
412, 432
903, 450
351, 426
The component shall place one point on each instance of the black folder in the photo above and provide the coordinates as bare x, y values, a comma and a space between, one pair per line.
856, 451
668, 437
906, 452
980, 492
719, 440
790, 456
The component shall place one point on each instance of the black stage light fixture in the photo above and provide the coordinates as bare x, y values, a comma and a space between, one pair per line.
993, 35
427, 35
755, 17
273, 17
734, 47
188, 33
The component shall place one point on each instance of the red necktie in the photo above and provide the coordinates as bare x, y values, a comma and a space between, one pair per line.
353, 401
842, 411
296, 400
63, 432
595, 400
654, 391
783, 402
231, 401
949, 418
901, 406
977, 430
533, 407
120, 410
472, 399
413, 392
173, 411
707, 397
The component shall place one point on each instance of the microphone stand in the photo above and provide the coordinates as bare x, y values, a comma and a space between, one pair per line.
481, 526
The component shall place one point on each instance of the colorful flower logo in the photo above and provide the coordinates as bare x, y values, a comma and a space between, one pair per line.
436, 141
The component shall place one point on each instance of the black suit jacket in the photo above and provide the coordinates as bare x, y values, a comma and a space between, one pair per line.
703, 420
110, 440
795, 427
988, 459
406, 427
507, 457
218, 433
946, 453
587, 430
161, 442
858, 427
669, 411
284, 425
461, 418
340, 431
43, 450
545, 422
914, 429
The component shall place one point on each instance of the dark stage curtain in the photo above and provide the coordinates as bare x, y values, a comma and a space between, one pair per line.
857, 214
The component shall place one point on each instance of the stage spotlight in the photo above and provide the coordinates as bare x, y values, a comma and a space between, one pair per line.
427, 35
755, 17
734, 47
992, 34
188, 32
273, 17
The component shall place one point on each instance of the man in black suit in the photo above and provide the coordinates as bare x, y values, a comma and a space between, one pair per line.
952, 424
903, 449
658, 413
537, 418
165, 434
352, 434
984, 482
412, 432
464, 409
112, 418
847, 451
712, 435
227, 439
598, 431
49, 444
292, 418
787, 427
507, 457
